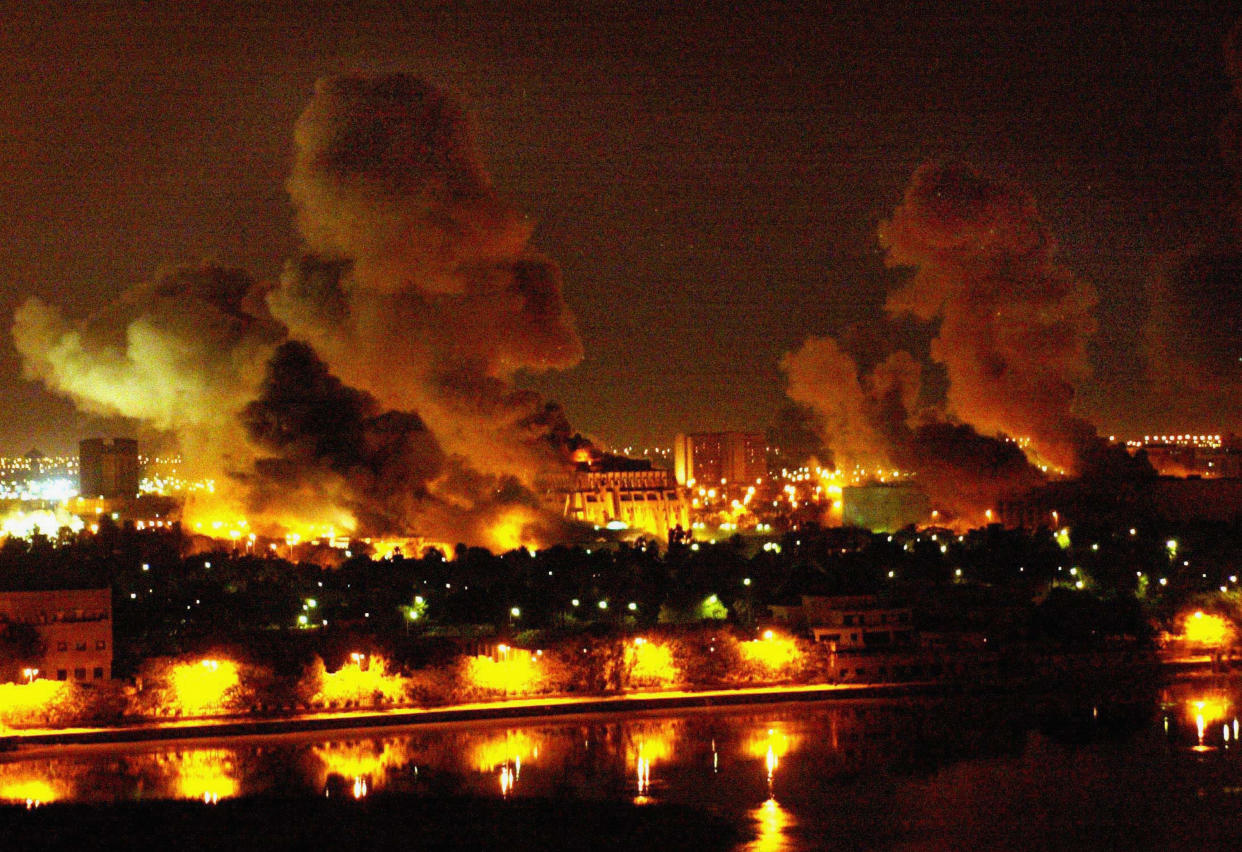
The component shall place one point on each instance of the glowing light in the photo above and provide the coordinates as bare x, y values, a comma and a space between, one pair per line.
203, 688
207, 775
518, 673
1203, 629
32, 703
650, 664
773, 655
362, 681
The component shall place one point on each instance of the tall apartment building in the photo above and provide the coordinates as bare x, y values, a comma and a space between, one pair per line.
714, 458
108, 467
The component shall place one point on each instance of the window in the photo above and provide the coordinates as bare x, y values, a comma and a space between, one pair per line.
62, 646
849, 621
98, 672
79, 673
100, 645
61, 674
79, 646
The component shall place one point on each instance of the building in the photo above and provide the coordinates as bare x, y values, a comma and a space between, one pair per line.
647, 500
847, 622
884, 507
715, 459
108, 467
75, 626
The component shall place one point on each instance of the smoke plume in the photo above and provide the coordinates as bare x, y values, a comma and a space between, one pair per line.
371, 387
1011, 330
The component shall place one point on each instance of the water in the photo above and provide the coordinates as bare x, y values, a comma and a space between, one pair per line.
1159, 769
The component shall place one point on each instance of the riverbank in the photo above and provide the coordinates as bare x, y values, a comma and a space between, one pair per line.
524, 708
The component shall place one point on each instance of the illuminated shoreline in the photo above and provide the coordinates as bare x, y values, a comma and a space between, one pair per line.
530, 708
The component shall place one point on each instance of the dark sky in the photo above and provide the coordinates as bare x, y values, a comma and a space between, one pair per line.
710, 182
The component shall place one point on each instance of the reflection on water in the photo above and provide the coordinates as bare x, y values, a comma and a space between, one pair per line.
362, 764
772, 825
925, 773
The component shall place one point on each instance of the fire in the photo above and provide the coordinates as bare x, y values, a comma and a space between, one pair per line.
512, 530
19, 524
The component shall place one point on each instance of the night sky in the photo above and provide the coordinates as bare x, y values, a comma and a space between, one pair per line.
709, 182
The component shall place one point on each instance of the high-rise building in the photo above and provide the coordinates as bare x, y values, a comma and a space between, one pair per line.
712, 459
108, 467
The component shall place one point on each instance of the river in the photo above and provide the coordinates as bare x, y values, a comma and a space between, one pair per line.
1159, 769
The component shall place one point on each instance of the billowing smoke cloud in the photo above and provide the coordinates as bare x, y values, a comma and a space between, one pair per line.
419, 284
371, 387
182, 353
1011, 333
1013, 323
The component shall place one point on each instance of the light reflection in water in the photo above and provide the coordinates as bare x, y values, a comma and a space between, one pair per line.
772, 823
209, 774
364, 763
506, 751
649, 743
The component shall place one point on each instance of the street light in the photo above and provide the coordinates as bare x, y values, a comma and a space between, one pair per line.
30, 674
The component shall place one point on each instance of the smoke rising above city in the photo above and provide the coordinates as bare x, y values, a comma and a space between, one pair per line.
371, 387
